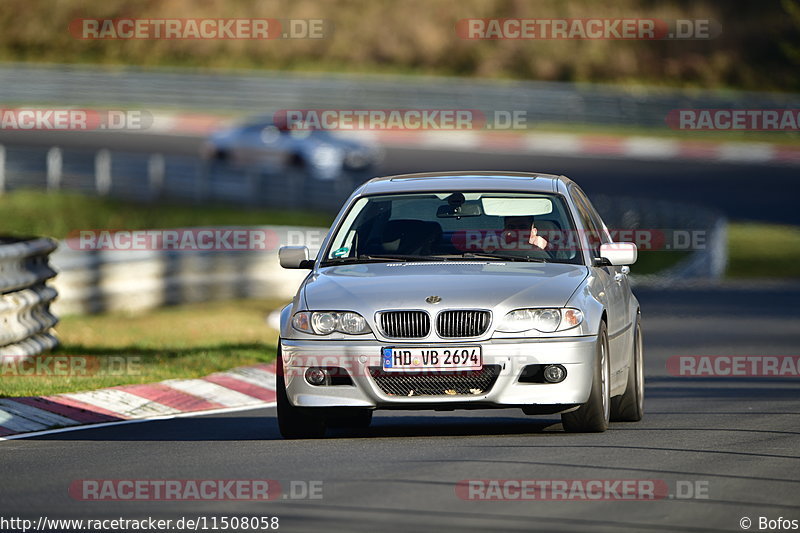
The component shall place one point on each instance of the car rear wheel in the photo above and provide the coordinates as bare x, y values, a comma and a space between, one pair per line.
295, 422
630, 406
593, 416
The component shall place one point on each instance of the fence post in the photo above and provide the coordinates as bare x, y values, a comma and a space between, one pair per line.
54, 164
252, 176
2, 169
201, 182
156, 167
102, 172
719, 248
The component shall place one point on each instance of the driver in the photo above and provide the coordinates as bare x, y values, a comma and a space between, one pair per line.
517, 228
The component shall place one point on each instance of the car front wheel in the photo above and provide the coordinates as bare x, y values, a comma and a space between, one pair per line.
295, 422
630, 406
593, 416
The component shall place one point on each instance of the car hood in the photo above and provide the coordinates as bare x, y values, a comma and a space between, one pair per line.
371, 287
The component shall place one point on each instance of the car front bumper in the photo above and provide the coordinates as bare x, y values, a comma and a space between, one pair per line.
576, 354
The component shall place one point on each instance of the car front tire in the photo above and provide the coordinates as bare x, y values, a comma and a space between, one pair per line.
630, 406
295, 422
593, 416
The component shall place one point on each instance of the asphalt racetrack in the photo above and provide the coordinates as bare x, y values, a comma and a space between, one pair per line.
726, 448
759, 192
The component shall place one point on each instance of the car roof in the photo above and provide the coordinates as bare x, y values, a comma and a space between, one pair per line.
466, 181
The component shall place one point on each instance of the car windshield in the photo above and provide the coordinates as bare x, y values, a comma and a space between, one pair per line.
486, 226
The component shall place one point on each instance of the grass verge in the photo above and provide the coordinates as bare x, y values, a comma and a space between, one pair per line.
41, 213
763, 251
185, 341
755, 251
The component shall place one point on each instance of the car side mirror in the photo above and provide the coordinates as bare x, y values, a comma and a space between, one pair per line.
294, 257
618, 253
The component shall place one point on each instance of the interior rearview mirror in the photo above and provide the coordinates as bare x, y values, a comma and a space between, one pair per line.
467, 209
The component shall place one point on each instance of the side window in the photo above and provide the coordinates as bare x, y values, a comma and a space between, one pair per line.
594, 234
605, 237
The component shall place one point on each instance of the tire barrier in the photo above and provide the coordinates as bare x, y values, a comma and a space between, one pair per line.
26, 323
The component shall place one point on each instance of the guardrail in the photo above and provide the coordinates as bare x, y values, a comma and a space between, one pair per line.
699, 231
125, 280
265, 92
148, 177
26, 323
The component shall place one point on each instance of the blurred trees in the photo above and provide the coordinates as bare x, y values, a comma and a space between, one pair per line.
759, 47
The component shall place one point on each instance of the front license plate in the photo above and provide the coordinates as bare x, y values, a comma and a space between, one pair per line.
431, 358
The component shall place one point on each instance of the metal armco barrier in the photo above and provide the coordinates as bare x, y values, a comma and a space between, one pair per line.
257, 92
146, 177
138, 280
704, 235
26, 323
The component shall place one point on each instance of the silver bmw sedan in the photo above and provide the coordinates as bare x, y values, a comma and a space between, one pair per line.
462, 290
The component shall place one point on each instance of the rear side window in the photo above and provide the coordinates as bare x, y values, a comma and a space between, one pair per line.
598, 221
590, 221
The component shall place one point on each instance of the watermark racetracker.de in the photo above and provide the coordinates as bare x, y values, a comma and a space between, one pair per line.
189, 239
199, 28
787, 120
69, 366
198, 490
734, 366
71, 119
587, 28
401, 119
580, 489
149, 523
462, 240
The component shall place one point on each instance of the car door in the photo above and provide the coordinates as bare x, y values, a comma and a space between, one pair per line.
621, 275
611, 280
262, 145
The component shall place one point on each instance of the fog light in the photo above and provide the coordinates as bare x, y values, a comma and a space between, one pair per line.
554, 373
316, 376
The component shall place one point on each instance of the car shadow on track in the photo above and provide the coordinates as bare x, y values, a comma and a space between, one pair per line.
722, 388
246, 428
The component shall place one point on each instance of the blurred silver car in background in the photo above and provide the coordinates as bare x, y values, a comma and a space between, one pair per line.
462, 290
269, 145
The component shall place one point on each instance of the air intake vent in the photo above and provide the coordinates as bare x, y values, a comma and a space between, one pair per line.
405, 324
467, 383
461, 324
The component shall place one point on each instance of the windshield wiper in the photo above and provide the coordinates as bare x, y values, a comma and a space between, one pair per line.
504, 257
365, 258
383, 258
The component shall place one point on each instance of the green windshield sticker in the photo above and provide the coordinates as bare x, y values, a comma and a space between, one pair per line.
341, 252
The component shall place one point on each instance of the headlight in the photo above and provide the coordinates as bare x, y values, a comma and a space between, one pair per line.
546, 320
326, 322
323, 323
353, 323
